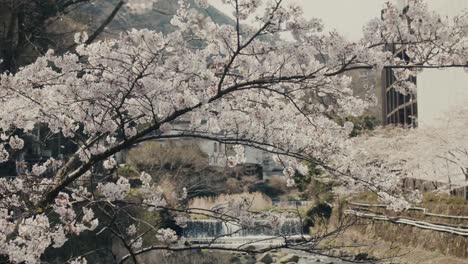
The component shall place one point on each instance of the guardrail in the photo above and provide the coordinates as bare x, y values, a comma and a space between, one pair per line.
424, 210
292, 203
457, 230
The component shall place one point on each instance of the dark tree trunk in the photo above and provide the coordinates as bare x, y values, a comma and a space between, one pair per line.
25, 29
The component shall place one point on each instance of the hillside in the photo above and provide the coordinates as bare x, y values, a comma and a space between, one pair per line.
158, 19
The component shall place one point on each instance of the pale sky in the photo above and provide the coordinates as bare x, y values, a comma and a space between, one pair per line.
349, 16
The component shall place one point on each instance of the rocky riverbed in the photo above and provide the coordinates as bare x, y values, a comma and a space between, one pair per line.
283, 257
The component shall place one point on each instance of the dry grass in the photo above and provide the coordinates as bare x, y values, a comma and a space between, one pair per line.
186, 257
435, 203
278, 183
258, 201
355, 242
445, 204
413, 237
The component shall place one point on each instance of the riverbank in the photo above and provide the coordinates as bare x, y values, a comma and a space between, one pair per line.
392, 252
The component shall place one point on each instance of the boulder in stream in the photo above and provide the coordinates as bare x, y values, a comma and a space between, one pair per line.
289, 258
265, 258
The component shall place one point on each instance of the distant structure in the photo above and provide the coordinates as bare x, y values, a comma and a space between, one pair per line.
217, 154
397, 108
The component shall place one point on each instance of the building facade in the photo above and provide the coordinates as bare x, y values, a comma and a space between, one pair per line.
217, 153
399, 109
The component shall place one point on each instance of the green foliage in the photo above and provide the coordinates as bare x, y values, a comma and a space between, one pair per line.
366, 197
266, 189
312, 187
157, 219
302, 181
321, 191
273, 187
361, 123
317, 215
321, 210
127, 171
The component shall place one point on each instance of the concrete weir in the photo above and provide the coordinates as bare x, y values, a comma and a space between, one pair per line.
227, 234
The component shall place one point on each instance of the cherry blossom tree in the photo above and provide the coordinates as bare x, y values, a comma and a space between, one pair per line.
434, 153
273, 81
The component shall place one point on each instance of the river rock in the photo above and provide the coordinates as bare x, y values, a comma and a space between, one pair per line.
235, 260
289, 258
250, 248
265, 258
249, 260
280, 254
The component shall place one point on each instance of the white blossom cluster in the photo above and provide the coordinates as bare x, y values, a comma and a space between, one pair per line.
153, 196
166, 235
238, 158
68, 217
115, 191
433, 153
33, 235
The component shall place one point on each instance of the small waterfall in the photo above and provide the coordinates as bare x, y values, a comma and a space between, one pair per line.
215, 228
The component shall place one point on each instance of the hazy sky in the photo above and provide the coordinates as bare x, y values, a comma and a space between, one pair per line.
349, 16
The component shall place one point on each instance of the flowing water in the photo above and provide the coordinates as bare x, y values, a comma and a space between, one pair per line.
205, 229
